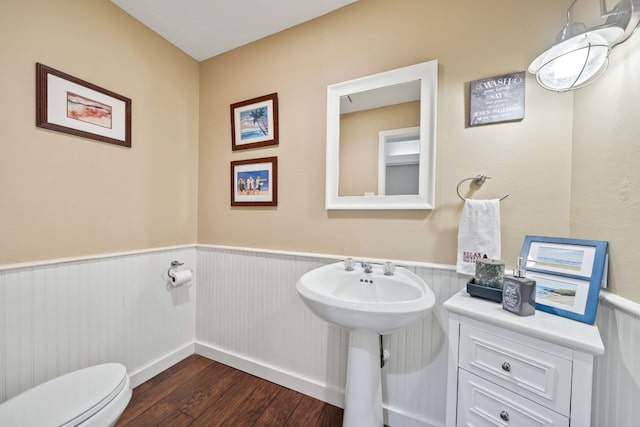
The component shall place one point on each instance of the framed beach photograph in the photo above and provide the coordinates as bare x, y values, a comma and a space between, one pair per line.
254, 182
67, 104
254, 123
568, 274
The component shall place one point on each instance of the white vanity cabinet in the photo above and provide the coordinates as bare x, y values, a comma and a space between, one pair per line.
507, 370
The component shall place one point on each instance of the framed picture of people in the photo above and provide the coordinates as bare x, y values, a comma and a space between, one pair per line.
254, 182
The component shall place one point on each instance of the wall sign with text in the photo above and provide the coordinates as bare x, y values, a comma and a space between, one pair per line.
497, 99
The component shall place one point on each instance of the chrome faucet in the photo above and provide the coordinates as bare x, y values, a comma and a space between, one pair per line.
388, 268
349, 263
367, 267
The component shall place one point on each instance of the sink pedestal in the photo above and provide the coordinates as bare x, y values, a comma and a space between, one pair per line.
363, 394
366, 303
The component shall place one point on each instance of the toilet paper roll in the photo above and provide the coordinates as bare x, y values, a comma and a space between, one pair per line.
180, 277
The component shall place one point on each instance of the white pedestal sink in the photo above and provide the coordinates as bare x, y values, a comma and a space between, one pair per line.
367, 304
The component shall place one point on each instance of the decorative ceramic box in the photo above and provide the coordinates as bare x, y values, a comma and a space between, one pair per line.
488, 281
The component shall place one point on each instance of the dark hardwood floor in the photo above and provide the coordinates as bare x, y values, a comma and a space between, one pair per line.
201, 392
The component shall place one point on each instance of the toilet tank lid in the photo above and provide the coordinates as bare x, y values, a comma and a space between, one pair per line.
66, 400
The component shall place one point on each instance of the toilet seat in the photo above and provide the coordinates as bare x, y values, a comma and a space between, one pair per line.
70, 399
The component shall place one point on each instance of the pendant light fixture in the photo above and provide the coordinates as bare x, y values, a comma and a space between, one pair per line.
581, 54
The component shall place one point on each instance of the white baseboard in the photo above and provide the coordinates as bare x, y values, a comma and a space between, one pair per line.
300, 384
393, 417
162, 364
275, 375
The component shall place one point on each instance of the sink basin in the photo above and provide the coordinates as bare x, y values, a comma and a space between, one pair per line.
356, 300
367, 304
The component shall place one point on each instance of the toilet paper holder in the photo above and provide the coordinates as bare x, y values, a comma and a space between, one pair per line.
172, 269
178, 277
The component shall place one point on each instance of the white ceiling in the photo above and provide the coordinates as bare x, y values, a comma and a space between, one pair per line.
205, 28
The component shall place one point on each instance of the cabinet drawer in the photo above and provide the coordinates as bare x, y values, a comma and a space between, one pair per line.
482, 403
540, 376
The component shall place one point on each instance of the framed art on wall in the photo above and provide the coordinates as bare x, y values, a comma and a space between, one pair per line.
254, 182
70, 105
254, 122
568, 274
497, 99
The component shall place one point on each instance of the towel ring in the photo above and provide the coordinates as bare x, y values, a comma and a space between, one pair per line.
477, 180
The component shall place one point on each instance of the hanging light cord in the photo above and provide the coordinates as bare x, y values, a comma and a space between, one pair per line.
566, 31
571, 10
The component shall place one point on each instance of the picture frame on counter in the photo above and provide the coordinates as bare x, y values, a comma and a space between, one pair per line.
254, 122
67, 104
254, 182
568, 274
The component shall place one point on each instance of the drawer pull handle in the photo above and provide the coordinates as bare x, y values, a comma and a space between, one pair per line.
504, 415
506, 367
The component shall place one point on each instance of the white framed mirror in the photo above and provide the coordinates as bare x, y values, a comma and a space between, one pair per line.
381, 132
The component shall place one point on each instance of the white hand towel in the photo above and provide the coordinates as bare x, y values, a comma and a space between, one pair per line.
479, 233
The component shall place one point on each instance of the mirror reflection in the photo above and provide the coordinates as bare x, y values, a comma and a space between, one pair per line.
380, 141
399, 161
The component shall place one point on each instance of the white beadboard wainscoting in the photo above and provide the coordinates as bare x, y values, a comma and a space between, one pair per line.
616, 401
63, 315
250, 317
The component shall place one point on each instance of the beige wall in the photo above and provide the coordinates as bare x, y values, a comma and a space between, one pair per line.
529, 160
67, 196
64, 196
605, 196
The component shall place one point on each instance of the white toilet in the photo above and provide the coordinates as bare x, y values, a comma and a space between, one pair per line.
94, 396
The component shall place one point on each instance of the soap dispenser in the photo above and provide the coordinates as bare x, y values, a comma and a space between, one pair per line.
518, 292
